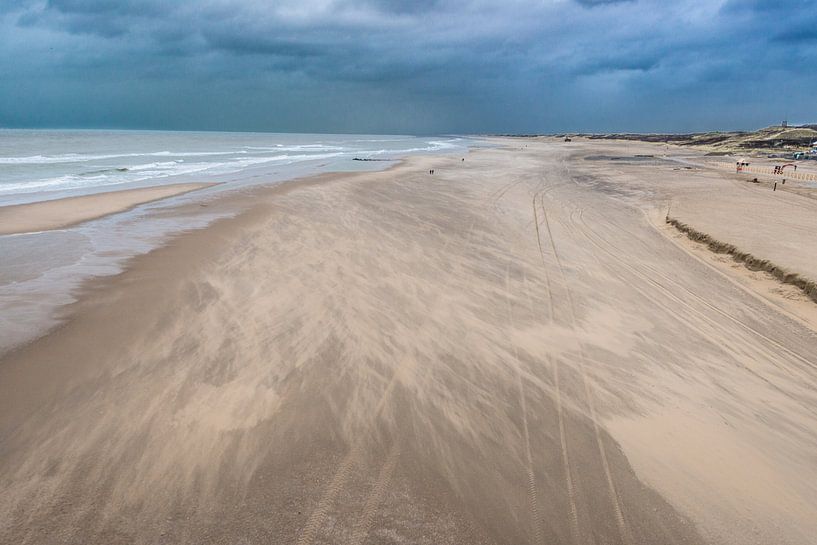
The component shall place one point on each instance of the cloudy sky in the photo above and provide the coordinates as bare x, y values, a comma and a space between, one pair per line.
395, 66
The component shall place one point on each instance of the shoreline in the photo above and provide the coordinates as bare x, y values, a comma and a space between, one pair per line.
70, 211
238, 199
207, 243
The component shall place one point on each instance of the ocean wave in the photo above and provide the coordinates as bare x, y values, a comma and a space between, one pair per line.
70, 181
397, 139
105, 178
235, 166
299, 147
435, 146
80, 158
44, 159
160, 165
157, 170
193, 153
132, 167
320, 147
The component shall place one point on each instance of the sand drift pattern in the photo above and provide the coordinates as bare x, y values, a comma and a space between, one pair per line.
483, 355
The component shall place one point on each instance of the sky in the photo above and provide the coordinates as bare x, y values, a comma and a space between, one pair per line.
408, 67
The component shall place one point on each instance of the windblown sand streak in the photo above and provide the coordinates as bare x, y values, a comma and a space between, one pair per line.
598, 242
626, 536
533, 501
316, 519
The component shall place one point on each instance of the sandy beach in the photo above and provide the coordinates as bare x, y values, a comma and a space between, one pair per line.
515, 349
61, 213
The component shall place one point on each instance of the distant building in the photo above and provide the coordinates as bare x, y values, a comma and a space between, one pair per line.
785, 123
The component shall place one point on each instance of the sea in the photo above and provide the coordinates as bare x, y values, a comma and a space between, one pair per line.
41, 272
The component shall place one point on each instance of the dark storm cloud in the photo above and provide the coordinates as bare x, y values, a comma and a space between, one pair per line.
407, 66
109, 7
801, 33
261, 45
405, 6
592, 3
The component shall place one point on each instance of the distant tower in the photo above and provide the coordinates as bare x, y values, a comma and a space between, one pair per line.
785, 123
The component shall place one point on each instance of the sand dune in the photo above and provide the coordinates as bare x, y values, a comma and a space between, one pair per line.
508, 351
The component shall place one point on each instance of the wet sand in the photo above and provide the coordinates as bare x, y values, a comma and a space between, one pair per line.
512, 350
61, 213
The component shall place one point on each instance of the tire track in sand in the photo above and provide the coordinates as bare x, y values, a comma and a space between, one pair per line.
571, 489
533, 501
624, 531
600, 242
376, 496
316, 519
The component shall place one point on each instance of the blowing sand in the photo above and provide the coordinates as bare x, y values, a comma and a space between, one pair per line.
61, 213
509, 351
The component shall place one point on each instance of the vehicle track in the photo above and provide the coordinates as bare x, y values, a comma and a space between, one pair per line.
570, 487
599, 242
316, 519
742, 324
745, 290
533, 500
621, 522
616, 255
376, 496
691, 324
602, 244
